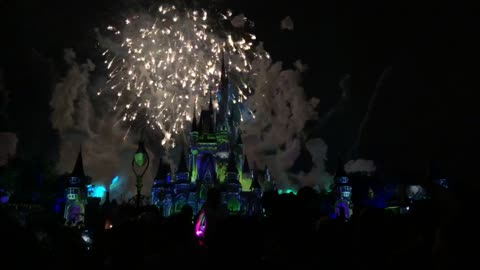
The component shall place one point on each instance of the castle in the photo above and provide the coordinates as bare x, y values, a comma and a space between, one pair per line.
215, 159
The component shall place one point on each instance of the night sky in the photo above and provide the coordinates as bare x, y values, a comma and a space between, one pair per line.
424, 111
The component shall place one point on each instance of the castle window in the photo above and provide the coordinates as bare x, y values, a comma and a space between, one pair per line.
74, 180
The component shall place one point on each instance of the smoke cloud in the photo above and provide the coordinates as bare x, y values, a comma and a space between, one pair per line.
275, 136
360, 165
287, 24
85, 122
239, 21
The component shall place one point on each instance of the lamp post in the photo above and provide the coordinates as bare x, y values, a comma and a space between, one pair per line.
140, 161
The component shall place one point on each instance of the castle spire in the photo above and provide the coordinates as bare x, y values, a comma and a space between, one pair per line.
267, 175
255, 184
194, 120
223, 89
210, 103
231, 167
163, 170
211, 114
78, 168
182, 167
223, 75
246, 167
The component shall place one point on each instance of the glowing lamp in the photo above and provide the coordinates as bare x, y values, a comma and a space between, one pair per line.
141, 161
140, 156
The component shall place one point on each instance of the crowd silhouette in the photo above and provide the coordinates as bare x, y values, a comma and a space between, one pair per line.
293, 230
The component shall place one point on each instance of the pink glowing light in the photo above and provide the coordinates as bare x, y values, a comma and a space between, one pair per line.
201, 224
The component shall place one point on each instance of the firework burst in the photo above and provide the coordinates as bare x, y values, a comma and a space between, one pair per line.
163, 65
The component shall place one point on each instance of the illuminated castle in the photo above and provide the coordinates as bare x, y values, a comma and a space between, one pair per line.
215, 159
76, 194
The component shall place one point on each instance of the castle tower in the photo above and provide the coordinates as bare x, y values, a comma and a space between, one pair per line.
268, 184
343, 192
223, 131
162, 190
76, 193
207, 178
246, 176
193, 147
194, 128
232, 186
255, 205
182, 184
223, 97
207, 121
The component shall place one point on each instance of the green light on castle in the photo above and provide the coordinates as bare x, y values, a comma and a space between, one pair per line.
221, 172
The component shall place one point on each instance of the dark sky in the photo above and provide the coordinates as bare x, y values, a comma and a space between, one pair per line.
425, 110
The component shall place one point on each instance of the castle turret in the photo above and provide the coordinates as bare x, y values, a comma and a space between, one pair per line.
76, 193
193, 146
181, 175
162, 190
255, 187
343, 190
255, 205
246, 176
233, 186
194, 128
268, 184
184, 190
232, 171
222, 123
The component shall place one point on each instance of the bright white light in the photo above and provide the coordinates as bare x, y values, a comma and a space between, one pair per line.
173, 60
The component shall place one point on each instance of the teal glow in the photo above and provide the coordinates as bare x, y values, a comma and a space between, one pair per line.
96, 191
115, 181
287, 191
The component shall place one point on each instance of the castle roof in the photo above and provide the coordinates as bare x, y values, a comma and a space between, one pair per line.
255, 184
78, 168
232, 167
194, 121
206, 121
246, 166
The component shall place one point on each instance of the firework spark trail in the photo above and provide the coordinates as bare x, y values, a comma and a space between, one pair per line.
170, 62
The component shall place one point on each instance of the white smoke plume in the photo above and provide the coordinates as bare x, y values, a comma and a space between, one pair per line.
239, 21
274, 137
107, 152
287, 24
360, 166
300, 66
318, 176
